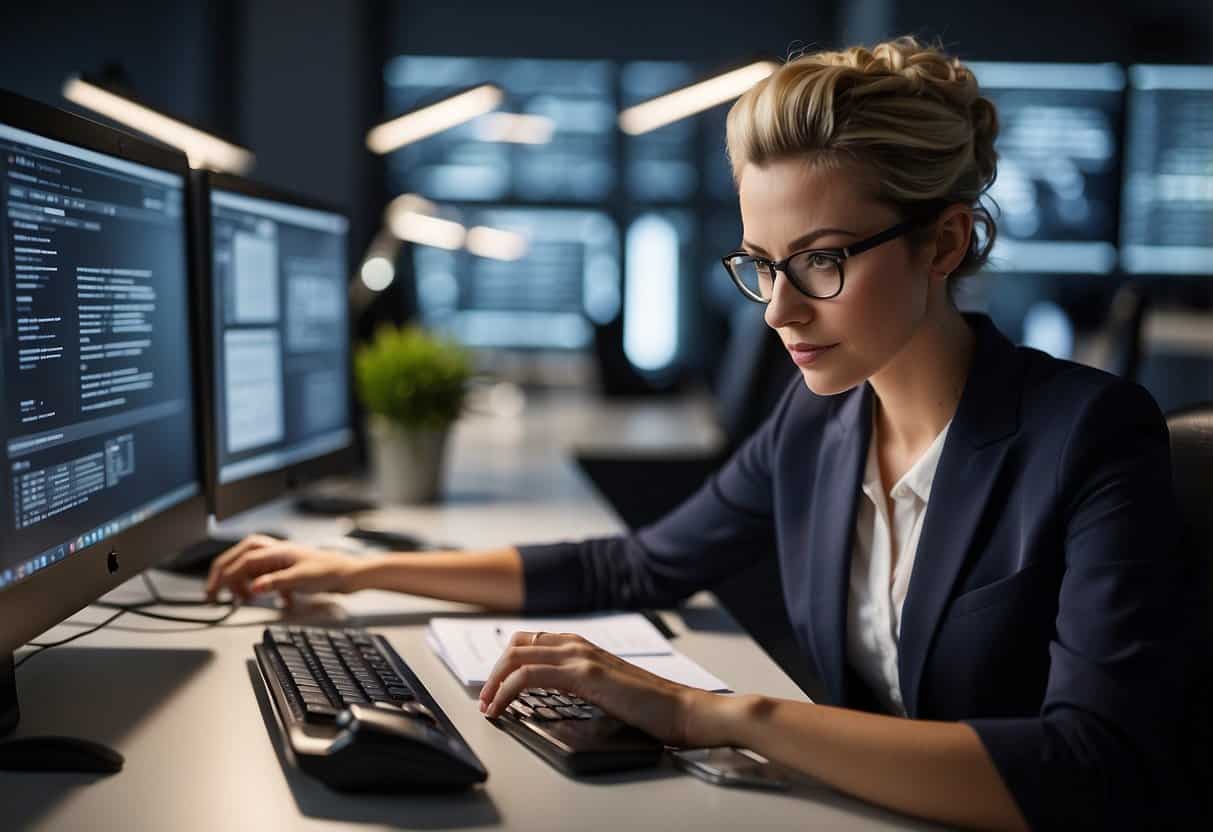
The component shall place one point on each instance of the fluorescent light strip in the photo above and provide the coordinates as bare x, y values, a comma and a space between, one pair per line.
688, 101
496, 243
428, 231
518, 128
414, 218
427, 121
203, 149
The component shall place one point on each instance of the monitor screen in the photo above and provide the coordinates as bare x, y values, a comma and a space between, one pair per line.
280, 334
550, 298
95, 366
1058, 165
1167, 221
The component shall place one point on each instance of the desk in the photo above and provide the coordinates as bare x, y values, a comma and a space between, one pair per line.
201, 746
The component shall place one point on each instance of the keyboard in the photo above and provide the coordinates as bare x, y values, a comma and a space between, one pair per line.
355, 716
575, 736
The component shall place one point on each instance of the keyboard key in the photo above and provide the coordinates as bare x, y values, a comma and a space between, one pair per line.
546, 713
320, 713
521, 708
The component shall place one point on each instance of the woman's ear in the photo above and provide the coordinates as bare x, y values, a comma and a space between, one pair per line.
953, 230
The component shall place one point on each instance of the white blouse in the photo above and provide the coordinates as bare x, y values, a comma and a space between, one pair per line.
876, 598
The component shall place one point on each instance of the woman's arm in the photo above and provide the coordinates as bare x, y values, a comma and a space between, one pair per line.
935, 770
491, 578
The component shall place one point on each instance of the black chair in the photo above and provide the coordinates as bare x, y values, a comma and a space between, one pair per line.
643, 486
1124, 327
1192, 470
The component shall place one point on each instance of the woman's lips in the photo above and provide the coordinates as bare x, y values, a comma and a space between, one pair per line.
805, 354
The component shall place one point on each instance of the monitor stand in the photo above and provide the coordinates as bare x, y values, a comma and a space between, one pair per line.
45, 753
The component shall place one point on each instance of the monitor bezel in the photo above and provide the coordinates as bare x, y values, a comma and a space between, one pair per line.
50, 595
228, 499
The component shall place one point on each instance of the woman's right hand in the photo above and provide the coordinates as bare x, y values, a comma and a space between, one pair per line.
261, 564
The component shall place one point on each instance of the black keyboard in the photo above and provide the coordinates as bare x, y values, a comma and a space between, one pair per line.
355, 715
575, 736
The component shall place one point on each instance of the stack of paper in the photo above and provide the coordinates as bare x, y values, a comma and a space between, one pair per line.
471, 646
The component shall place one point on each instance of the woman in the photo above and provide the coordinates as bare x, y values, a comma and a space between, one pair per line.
977, 541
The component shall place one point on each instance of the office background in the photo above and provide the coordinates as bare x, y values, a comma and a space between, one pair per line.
299, 84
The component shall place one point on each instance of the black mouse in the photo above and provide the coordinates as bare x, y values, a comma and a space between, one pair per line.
399, 541
58, 754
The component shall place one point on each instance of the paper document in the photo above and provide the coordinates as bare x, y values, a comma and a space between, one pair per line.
471, 646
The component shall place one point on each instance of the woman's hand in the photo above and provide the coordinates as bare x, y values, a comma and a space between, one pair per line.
570, 663
260, 564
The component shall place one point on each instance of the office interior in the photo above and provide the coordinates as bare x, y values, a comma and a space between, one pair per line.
607, 317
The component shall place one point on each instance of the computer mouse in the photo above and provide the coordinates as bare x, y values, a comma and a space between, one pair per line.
382, 749
394, 539
58, 754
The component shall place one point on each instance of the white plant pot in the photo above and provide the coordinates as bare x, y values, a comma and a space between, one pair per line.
407, 463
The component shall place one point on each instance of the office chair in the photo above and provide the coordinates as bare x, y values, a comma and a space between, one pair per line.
1192, 470
643, 486
1124, 326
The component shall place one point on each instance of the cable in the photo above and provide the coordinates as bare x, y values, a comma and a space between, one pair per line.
39, 647
138, 608
158, 600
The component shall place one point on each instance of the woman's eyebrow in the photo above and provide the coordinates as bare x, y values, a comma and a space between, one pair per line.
802, 240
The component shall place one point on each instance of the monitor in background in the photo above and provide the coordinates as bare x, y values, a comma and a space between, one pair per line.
1058, 166
1167, 220
538, 311
102, 473
278, 404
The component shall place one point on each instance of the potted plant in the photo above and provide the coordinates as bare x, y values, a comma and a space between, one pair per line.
412, 385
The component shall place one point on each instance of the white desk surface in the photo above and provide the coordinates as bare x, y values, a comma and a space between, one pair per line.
201, 746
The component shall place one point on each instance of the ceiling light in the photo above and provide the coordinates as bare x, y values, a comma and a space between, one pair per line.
517, 128
671, 107
203, 149
496, 243
448, 113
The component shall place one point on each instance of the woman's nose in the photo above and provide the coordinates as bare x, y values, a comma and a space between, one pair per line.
788, 305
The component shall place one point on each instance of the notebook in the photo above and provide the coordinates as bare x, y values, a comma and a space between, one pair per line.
471, 646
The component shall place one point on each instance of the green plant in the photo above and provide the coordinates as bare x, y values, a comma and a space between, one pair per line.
414, 379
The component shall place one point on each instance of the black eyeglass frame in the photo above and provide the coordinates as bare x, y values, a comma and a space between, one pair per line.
838, 255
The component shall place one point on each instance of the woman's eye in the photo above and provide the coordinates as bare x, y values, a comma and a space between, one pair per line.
820, 261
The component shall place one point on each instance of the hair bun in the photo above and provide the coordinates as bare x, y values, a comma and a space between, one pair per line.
984, 118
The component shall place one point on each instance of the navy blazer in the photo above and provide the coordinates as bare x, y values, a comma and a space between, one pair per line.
1050, 606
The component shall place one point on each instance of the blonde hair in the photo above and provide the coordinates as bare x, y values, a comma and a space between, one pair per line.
911, 114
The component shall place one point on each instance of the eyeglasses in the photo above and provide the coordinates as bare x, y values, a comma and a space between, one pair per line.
815, 272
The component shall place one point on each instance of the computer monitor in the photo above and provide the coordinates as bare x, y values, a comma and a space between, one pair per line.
1167, 220
1058, 167
102, 471
550, 299
275, 305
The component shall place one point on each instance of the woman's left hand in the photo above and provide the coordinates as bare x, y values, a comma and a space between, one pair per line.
569, 663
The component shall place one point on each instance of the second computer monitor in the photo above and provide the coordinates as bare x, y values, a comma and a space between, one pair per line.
1058, 165
1167, 221
279, 349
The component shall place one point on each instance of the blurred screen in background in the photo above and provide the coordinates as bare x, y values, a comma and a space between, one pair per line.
1167, 222
1058, 165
